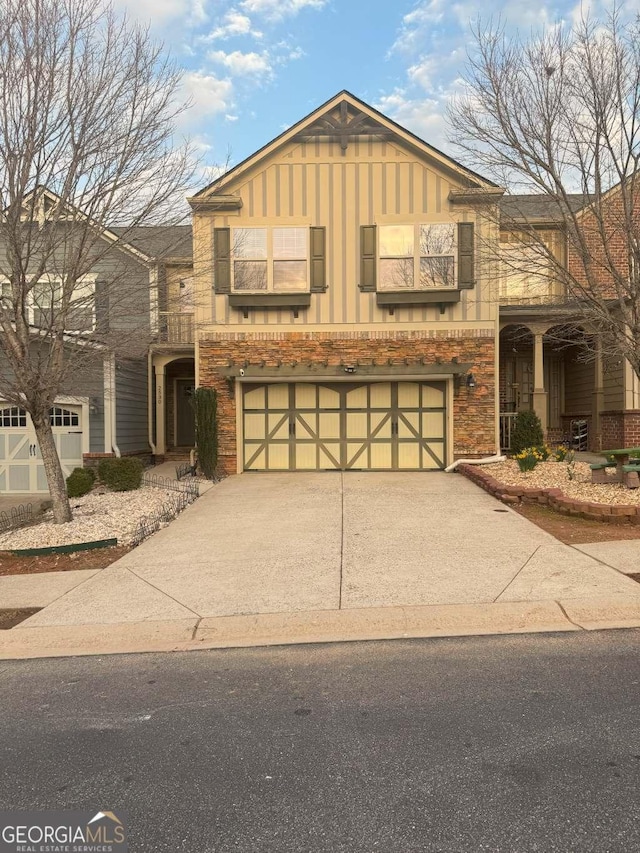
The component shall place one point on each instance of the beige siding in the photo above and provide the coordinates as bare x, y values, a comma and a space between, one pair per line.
174, 276
613, 377
579, 385
314, 183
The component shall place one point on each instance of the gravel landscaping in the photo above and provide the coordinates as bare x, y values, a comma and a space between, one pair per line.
554, 475
98, 515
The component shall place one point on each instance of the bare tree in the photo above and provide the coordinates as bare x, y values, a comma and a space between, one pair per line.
558, 115
88, 105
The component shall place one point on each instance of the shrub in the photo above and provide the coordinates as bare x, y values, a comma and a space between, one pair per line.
121, 475
205, 406
527, 432
528, 458
79, 482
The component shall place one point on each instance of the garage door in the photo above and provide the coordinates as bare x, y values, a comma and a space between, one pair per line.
21, 466
374, 426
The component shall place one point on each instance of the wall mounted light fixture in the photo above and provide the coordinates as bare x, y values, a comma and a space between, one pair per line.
471, 381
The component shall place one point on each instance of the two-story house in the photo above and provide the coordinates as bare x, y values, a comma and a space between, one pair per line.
337, 303
103, 406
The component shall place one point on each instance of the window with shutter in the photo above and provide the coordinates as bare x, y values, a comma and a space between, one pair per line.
466, 252
222, 260
318, 241
368, 236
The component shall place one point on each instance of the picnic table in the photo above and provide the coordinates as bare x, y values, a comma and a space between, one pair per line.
626, 472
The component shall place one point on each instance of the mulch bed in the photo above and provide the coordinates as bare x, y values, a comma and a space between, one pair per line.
11, 564
573, 530
9, 618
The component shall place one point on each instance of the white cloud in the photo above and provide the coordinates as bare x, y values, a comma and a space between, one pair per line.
421, 115
162, 12
243, 64
210, 94
275, 9
234, 24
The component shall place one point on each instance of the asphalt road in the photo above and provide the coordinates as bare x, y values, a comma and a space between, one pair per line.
520, 743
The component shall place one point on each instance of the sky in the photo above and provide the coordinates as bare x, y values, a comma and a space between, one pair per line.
252, 68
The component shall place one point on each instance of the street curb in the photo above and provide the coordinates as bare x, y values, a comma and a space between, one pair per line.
320, 626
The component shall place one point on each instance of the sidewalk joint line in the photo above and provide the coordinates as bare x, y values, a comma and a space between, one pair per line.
73, 588
567, 617
599, 559
157, 588
521, 569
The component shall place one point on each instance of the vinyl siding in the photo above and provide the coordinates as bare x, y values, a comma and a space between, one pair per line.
614, 386
579, 385
131, 406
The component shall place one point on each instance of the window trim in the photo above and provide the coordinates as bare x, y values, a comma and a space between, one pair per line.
270, 260
417, 257
84, 280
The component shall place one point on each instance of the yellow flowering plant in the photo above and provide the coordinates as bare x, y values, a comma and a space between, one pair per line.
528, 458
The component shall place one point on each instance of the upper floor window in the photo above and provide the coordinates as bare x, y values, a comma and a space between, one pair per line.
270, 259
418, 256
526, 269
44, 302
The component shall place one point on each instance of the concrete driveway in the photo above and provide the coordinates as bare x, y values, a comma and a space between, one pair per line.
278, 543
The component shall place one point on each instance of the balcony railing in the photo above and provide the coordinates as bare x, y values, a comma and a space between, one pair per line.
506, 426
176, 327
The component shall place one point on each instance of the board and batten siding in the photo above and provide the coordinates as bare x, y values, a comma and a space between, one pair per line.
314, 184
131, 406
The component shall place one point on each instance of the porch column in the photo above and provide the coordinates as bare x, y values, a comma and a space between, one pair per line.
161, 441
597, 402
540, 394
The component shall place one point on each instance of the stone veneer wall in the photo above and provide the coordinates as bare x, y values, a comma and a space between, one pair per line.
473, 409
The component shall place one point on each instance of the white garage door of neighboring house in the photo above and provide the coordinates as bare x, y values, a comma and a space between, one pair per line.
375, 426
21, 466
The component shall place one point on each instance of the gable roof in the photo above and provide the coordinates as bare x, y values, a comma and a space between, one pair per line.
145, 242
159, 241
323, 112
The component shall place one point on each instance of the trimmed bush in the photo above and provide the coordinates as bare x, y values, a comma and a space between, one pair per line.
80, 482
527, 432
205, 406
121, 475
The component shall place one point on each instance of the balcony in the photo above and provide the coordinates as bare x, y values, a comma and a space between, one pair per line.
176, 327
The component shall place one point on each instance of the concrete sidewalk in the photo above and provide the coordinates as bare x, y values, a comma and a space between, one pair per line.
287, 558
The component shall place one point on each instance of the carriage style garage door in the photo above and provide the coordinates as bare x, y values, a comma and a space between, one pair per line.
374, 426
21, 467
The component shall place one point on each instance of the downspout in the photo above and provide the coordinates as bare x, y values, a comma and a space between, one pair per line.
488, 460
150, 402
112, 389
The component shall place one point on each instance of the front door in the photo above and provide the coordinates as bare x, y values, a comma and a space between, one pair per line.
185, 416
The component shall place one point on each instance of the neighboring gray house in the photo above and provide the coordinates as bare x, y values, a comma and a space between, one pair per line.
104, 406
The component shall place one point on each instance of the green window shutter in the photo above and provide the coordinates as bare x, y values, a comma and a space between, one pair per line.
318, 240
368, 258
222, 260
466, 266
